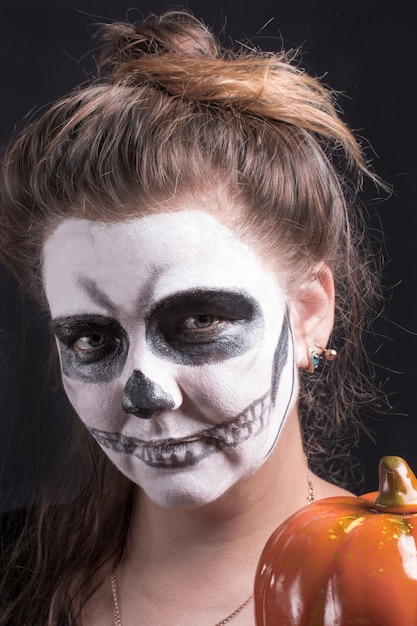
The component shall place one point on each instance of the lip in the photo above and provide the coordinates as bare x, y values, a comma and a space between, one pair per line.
174, 453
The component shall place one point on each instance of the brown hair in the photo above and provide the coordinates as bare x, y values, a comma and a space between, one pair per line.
175, 114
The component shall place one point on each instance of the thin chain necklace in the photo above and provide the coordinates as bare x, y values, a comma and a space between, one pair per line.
311, 496
113, 578
118, 622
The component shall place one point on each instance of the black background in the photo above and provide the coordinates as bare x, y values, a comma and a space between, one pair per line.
363, 48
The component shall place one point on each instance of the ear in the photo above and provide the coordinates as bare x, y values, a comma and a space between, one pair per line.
312, 313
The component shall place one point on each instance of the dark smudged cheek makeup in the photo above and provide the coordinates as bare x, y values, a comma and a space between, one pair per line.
194, 327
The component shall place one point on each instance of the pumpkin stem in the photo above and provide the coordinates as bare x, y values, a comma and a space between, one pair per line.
397, 485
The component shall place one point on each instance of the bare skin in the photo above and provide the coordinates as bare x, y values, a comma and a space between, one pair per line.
193, 567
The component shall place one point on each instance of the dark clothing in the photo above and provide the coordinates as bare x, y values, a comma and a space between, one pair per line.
11, 526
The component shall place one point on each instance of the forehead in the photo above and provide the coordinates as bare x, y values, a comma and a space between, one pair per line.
146, 259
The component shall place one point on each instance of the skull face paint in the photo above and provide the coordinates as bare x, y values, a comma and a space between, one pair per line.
175, 348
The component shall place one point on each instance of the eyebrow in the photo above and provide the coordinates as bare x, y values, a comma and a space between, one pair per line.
91, 288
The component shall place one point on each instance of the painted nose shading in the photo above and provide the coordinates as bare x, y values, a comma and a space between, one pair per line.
143, 397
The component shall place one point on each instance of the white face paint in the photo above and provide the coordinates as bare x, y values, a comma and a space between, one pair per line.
175, 349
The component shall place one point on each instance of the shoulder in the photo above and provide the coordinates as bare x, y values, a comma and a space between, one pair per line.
14, 564
15, 525
11, 527
325, 489
12, 522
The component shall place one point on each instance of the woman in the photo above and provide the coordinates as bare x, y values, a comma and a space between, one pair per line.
188, 221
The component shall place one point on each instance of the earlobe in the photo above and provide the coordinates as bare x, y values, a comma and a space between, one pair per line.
312, 313
318, 355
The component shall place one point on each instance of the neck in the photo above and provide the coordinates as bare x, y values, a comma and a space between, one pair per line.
196, 566
244, 516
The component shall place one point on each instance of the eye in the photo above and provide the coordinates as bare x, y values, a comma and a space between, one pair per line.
199, 322
92, 348
89, 338
201, 326
94, 342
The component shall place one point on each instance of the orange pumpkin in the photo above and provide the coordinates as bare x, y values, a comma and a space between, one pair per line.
345, 561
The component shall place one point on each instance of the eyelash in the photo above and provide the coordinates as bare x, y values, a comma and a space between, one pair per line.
108, 340
72, 336
215, 321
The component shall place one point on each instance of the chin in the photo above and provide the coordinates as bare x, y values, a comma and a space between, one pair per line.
185, 492
183, 498
191, 487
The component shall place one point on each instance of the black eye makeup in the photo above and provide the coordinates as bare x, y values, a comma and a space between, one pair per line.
93, 347
203, 326
194, 327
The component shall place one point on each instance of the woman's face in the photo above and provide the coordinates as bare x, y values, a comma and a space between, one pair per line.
175, 348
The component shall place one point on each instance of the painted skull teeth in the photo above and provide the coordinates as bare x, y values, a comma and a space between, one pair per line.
172, 453
175, 455
248, 423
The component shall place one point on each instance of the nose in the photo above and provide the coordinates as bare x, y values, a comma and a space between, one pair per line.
143, 397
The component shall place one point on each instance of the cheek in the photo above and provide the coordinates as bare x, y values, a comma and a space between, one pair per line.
214, 392
97, 405
224, 390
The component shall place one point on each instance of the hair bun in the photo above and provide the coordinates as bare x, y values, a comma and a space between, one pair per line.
171, 32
